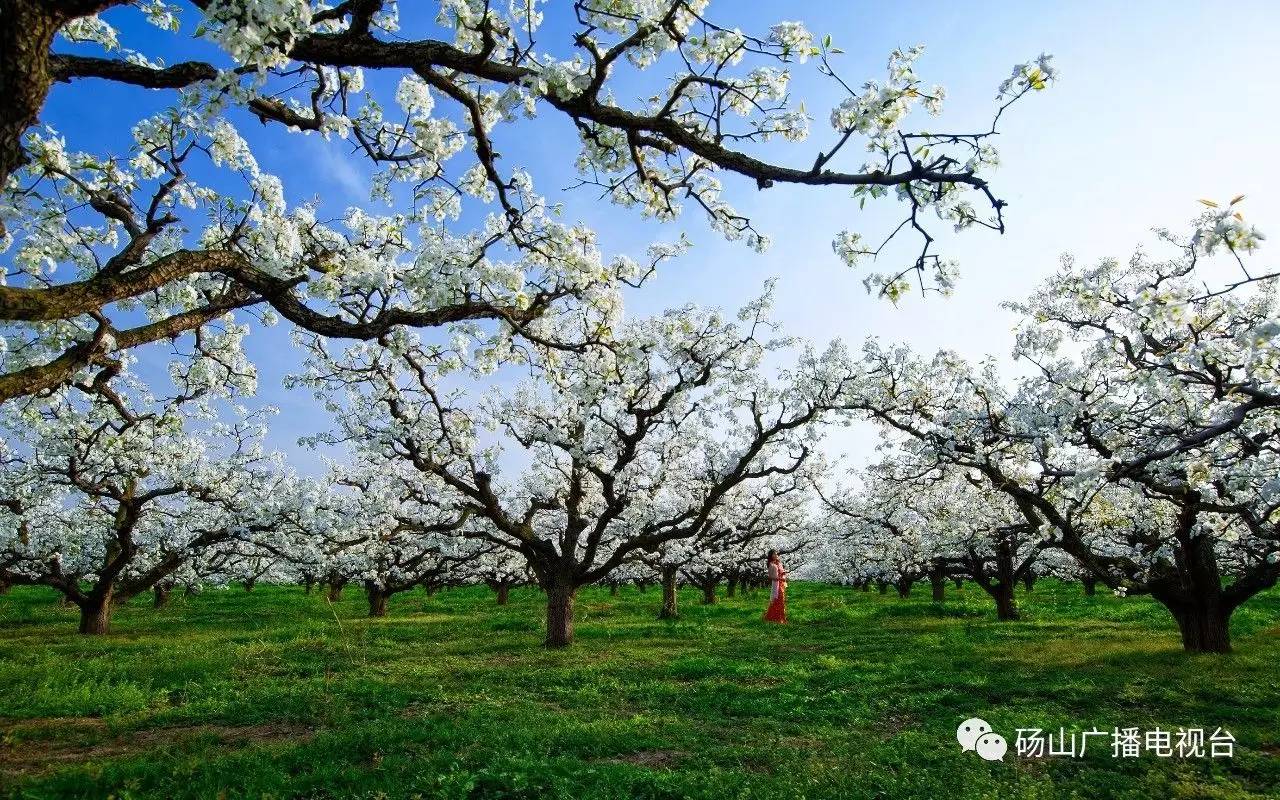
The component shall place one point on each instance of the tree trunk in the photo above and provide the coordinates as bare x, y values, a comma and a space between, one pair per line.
161, 594
903, 585
1006, 605
731, 588
709, 593
189, 590
959, 583
95, 615
1029, 580
1090, 586
882, 586
938, 583
249, 584
503, 589
643, 586
1205, 626
866, 586
307, 583
5, 586
25, 40
613, 590
335, 592
670, 606
560, 597
1196, 599
378, 598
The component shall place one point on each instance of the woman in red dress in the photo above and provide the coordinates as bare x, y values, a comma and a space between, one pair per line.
777, 611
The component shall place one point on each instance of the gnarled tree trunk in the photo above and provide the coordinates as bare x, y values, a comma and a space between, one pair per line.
1205, 626
1006, 605
503, 590
670, 606
378, 598
25, 38
1195, 598
95, 614
560, 596
160, 594
938, 584
709, 593
903, 586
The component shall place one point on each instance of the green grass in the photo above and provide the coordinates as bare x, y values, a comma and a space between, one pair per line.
277, 694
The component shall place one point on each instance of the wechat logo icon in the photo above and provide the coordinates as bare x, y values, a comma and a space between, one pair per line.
976, 734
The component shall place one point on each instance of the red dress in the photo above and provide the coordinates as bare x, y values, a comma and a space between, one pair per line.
777, 610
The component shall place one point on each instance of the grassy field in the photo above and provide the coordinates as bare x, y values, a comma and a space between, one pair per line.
278, 694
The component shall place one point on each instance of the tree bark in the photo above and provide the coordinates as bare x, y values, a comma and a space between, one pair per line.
670, 605
378, 598
709, 594
161, 594
1006, 605
613, 590
1029, 580
25, 39
1195, 597
903, 586
560, 597
1205, 626
335, 592
938, 583
882, 586
95, 615
959, 583
1090, 586
731, 587
503, 588
249, 584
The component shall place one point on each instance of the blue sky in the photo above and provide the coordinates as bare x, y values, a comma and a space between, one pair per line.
1160, 103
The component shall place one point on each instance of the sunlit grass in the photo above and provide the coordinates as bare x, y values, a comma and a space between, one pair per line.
276, 693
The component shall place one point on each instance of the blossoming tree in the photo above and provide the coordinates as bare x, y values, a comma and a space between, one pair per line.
1144, 444
390, 530
108, 492
627, 446
185, 226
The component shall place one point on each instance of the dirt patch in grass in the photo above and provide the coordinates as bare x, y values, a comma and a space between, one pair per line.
803, 743
652, 759
896, 723
38, 745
